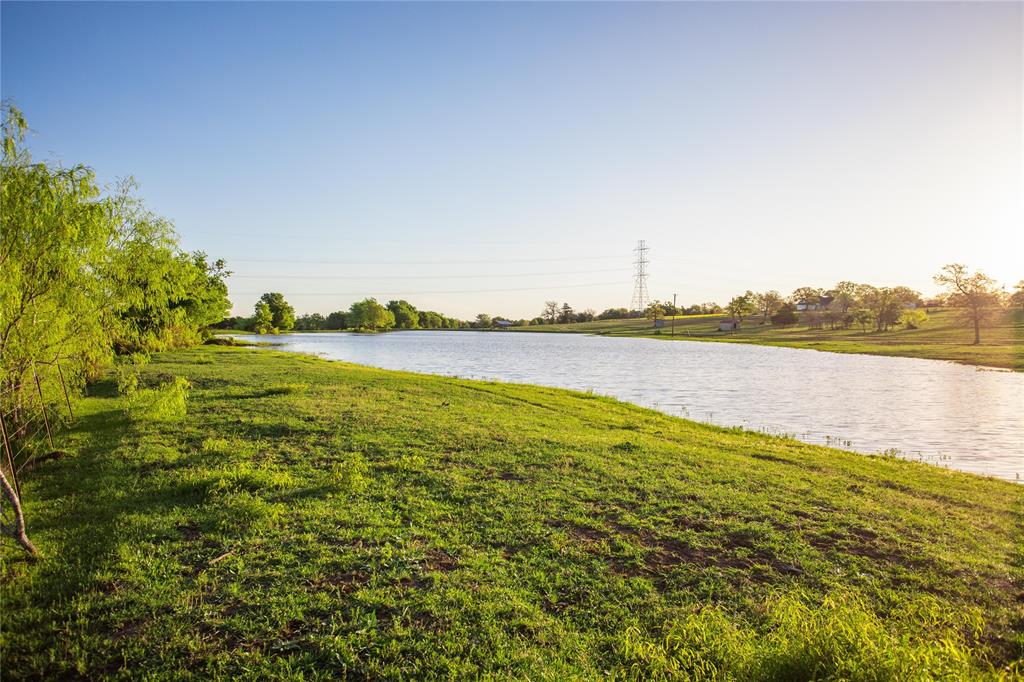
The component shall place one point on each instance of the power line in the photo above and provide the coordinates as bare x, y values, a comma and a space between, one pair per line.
490, 274
473, 261
431, 293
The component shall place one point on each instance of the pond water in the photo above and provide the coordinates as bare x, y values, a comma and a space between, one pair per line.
953, 415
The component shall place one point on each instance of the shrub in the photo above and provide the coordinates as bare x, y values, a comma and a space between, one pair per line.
350, 475
241, 512
164, 403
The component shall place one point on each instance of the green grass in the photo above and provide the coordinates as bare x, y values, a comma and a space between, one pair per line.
941, 337
308, 519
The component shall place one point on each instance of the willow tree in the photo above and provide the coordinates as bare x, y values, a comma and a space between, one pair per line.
54, 309
83, 274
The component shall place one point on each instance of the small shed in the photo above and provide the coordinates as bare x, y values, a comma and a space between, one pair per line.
502, 324
728, 325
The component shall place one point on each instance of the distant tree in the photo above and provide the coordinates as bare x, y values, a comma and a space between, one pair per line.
1017, 297
566, 315
336, 320
806, 294
536, 321
655, 311
786, 315
310, 322
767, 302
586, 315
550, 311
406, 315
882, 303
282, 312
431, 320
710, 308
976, 294
614, 314
844, 300
863, 317
369, 314
741, 306
262, 319
483, 321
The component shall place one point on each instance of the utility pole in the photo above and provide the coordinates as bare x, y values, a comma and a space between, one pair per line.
674, 312
640, 295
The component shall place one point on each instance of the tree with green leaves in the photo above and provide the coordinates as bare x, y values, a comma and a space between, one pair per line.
263, 319
974, 293
310, 322
337, 320
1017, 297
785, 315
83, 275
406, 315
371, 315
655, 311
767, 302
741, 306
281, 311
809, 295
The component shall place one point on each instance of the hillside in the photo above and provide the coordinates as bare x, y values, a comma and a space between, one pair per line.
940, 337
319, 520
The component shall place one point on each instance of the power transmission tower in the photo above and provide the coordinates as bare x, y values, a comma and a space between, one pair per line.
640, 296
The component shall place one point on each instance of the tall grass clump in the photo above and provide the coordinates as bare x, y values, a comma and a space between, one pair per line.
164, 403
837, 637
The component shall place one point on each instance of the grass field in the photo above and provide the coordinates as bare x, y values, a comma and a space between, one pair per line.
941, 337
318, 520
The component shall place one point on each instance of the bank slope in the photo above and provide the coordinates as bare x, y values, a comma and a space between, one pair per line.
941, 337
320, 519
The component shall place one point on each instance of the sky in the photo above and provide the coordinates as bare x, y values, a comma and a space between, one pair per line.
489, 157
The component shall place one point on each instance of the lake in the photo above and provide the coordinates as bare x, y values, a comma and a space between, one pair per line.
953, 415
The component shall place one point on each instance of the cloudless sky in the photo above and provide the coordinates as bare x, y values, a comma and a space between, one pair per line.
488, 157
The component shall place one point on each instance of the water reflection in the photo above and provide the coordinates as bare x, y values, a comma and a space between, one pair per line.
954, 415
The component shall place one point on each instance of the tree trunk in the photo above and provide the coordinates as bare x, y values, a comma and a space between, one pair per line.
977, 329
17, 531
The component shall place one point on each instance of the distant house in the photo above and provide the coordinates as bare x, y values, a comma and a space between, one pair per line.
728, 325
502, 324
819, 303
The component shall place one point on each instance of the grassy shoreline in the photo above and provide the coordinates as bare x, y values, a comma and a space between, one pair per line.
321, 519
939, 338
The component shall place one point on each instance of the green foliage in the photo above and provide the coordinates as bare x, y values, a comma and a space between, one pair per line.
337, 320
405, 314
913, 318
370, 315
350, 474
263, 319
742, 306
166, 402
786, 315
85, 274
310, 322
282, 315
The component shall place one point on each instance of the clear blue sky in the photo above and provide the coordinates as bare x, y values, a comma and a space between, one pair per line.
487, 157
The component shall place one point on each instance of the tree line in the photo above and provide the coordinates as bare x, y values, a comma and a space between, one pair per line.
848, 304
273, 314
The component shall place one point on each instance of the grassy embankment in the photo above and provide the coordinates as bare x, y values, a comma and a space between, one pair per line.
941, 337
319, 519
